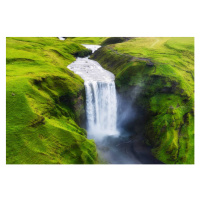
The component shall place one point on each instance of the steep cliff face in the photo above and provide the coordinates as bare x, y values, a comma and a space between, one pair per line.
45, 104
158, 75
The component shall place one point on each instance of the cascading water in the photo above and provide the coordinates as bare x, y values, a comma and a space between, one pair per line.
101, 100
101, 112
101, 108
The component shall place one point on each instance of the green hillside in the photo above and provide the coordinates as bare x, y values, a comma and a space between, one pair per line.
87, 40
44, 103
162, 70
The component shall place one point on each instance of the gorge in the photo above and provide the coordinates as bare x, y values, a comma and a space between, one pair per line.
103, 123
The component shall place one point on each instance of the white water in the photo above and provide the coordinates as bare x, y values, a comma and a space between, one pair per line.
101, 100
61, 38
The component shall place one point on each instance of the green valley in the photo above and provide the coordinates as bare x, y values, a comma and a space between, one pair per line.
45, 101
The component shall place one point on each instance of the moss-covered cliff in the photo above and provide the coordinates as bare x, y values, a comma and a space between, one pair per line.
162, 70
45, 104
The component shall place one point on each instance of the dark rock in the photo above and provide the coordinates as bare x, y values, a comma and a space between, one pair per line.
113, 40
83, 53
166, 90
150, 64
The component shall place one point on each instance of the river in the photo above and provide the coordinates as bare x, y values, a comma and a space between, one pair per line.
114, 145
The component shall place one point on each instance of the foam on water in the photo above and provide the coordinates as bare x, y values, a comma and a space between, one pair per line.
101, 100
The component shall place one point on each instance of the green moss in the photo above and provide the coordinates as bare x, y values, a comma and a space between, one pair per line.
87, 40
83, 53
43, 104
113, 40
163, 70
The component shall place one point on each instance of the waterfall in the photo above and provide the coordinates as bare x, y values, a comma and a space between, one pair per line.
101, 113
101, 99
101, 108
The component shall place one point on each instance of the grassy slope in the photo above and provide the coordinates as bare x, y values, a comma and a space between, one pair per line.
87, 40
166, 90
44, 102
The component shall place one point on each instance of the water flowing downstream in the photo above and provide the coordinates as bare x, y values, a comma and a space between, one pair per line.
101, 99
114, 144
